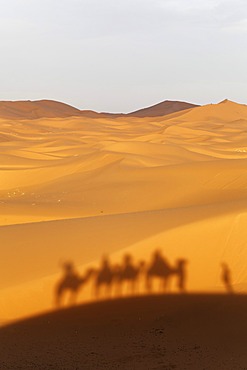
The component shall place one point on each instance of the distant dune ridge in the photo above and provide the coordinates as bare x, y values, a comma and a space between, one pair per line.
76, 187
49, 108
36, 109
162, 109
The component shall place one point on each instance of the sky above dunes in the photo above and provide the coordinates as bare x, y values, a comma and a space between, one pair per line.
122, 55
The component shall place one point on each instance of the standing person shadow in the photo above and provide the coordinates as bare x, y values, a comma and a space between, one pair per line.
180, 271
226, 278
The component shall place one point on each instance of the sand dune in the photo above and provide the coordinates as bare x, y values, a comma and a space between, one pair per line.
163, 108
75, 187
36, 109
28, 109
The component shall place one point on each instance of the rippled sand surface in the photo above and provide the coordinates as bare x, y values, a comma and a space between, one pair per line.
77, 187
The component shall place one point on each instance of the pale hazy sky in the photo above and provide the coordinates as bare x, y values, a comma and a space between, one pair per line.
121, 55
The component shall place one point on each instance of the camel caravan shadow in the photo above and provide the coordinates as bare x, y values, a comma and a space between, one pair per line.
126, 278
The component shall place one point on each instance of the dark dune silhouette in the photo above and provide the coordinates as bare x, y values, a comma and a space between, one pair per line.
188, 332
162, 109
27, 109
35, 109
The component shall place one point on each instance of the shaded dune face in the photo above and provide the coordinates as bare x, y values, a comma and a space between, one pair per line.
188, 332
75, 187
36, 109
28, 109
163, 108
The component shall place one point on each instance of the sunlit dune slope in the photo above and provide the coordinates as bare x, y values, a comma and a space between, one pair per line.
78, 187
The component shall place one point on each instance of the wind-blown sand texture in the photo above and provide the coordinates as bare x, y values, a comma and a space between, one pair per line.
77, 187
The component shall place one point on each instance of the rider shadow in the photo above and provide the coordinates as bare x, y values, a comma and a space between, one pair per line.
118, 279
128, 277
104, 277
122, 279
70, 283
160, 269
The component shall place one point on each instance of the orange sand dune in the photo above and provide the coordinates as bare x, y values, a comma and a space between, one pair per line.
76, 187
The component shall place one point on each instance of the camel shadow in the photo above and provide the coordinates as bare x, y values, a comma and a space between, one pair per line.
161, 269
127, 278
71, 282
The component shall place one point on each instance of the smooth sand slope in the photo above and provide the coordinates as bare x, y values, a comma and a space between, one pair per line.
78, 187
155, 332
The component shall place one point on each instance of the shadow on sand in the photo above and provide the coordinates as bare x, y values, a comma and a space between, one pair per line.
129, 277
183, 331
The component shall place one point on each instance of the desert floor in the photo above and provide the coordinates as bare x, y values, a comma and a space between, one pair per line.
194, 332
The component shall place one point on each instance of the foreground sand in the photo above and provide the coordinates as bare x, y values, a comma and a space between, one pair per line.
193, 332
